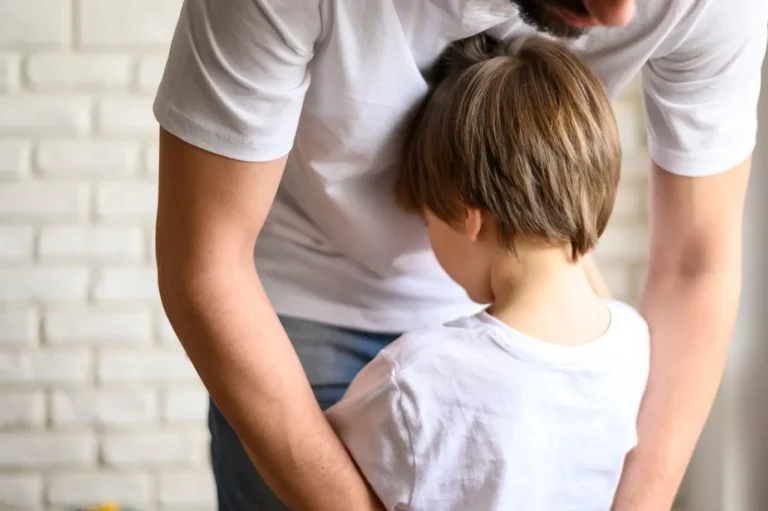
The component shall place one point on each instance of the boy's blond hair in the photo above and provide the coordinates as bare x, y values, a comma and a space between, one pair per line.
522, 130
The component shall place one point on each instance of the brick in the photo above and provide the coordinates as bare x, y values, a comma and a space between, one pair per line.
152, 159
43, 284
87, 157
187, 489
9, 72
45, 367
35, 23
127, 200
22, 409
145, 367
14, 158
127, 284
20, 492
92, 243
623, 243
16, 243
93, 326
165, 332
18, 326
64, 71
151, 72
185, 405
114, 22
155, 448
82, 489
44, 200
127, 116
104, 407
45, 114
47, 450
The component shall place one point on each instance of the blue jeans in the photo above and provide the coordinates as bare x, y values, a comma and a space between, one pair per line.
331, 357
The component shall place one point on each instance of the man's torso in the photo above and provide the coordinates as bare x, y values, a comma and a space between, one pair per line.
335, 247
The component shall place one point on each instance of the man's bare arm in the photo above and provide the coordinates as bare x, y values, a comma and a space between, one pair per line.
690, 302
210, 212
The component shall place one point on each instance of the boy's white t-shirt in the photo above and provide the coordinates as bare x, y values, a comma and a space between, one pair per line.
332, 81
478, 416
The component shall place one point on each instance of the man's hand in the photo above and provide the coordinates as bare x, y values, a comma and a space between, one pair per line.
210, 212
690, 302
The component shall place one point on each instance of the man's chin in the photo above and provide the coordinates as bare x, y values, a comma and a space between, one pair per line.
561, 30
547, 21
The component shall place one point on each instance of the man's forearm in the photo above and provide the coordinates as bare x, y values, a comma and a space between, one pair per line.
691, 320
236, 343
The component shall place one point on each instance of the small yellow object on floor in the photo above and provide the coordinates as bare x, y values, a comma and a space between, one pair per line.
107, 506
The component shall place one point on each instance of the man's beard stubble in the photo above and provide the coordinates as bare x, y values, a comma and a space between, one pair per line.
536, 14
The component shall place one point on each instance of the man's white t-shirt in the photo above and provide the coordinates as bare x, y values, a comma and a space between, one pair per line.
332, 81
478, 416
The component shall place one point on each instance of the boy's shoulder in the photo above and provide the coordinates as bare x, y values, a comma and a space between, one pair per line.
450, 339
626, 318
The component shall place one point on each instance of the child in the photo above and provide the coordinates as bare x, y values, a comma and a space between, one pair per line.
513, 162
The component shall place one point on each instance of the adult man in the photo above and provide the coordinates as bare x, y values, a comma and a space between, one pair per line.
331, 81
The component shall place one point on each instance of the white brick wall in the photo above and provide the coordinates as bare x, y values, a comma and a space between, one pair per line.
79, 158
20, 492
185, 490
73, 71
70, 327
18, 325
102, 407
79, 489
16, 243
97, 400
35, 23
9, 72
14, 157
118, 23
36, 200
44, 368
22, 410
91, 243
157, 448
46, 450
45, 114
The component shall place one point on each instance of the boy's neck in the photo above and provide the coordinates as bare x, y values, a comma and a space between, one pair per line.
544, 294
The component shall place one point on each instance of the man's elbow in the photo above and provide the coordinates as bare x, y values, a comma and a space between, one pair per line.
182, 277
191, 277
697, 256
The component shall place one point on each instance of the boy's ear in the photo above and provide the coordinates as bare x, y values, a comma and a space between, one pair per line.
473, 223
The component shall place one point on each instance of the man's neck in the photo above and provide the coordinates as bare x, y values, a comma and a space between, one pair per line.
547, 296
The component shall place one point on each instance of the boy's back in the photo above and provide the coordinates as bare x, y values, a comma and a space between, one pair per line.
478, 416
513, 162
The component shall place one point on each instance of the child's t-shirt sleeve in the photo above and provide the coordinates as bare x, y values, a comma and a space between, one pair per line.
371, 423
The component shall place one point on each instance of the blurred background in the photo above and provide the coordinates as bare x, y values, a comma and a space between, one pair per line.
97, 400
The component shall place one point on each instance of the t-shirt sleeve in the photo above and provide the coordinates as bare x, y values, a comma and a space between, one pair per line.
701, 91
370, 422
237, 74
